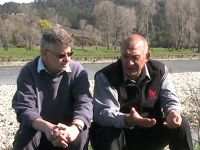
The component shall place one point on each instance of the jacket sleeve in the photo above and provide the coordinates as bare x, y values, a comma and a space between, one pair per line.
24, 101
106, 105
168, 97
83, 107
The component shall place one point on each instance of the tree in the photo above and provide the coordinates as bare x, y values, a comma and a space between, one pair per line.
10, 8
114, 21
161, 37
104, 11
182, 23
45, 24
30, 21
5, 31
93, 34
146, 9
124, 23
82, 27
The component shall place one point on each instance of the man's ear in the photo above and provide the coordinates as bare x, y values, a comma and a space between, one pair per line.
148, 55
44, 53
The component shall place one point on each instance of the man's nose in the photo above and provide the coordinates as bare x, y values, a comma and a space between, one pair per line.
131, 62
66, 58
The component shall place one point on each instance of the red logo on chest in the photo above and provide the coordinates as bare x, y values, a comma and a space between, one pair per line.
153, 94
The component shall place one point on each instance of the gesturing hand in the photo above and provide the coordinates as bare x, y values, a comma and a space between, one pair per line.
135, 119
173, 119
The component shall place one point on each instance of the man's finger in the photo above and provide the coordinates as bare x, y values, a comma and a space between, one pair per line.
59, 143
170, 125
62, 138
146, 122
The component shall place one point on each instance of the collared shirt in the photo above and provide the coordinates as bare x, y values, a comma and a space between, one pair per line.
145, 73
41, 66
56, 99
107, 107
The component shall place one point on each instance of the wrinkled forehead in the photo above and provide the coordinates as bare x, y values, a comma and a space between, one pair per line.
134, 47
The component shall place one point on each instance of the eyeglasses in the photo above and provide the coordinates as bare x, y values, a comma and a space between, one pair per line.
62, 56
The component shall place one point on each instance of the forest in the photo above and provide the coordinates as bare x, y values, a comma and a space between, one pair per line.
170, 24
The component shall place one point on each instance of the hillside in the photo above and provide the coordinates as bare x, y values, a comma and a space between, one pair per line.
168, 24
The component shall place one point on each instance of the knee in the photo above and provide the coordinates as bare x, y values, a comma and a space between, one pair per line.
184, 129
104, 132
104, 137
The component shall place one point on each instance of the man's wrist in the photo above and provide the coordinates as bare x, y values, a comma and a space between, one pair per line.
78, 126
127, 121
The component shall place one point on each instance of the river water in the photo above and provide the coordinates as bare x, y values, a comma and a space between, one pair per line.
8, 74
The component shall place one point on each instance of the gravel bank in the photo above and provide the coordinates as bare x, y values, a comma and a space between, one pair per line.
187, 86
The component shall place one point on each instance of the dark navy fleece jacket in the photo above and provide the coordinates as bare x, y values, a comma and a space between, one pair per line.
57, 99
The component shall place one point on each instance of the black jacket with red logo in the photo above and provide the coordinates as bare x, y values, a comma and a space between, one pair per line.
144, 97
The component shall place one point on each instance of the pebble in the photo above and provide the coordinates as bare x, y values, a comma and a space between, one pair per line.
187, 86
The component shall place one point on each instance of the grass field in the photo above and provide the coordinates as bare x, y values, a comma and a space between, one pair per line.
165, 53
21, 54
90, 53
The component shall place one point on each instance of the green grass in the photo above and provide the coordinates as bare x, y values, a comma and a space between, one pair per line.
21, 54
161, 52
90, 53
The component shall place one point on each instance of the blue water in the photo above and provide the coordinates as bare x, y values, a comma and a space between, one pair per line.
8, 75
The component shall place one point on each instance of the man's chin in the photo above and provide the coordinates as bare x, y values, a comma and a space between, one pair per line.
63, 68
134, 75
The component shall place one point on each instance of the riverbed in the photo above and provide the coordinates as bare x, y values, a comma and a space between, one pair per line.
186, 84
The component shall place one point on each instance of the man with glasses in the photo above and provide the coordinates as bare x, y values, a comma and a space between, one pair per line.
52, 102
135, 105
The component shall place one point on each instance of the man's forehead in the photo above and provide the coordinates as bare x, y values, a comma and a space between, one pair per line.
135, 44
133, 51
135, 48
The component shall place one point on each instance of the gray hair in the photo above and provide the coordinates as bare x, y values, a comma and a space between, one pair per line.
55, 37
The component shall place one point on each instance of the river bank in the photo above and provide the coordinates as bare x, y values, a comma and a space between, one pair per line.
97, 60
187, 86
22, 63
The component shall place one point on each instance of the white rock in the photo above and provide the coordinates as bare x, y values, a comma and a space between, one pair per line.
187, 86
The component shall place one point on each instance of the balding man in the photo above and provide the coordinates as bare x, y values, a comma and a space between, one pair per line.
135, 105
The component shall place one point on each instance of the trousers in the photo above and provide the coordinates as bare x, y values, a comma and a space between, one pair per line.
139, 138
29, 139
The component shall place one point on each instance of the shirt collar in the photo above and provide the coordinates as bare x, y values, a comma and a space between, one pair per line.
41, 66
146, 72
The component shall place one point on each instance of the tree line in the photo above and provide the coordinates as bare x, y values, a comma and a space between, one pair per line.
165, 23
